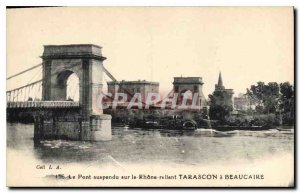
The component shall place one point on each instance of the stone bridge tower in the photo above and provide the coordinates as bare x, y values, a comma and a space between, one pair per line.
85, 60
192, 84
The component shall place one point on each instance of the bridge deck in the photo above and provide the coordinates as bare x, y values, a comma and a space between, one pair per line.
43, 104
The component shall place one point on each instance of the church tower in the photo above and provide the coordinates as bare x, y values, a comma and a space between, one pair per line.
222, 95
219, 86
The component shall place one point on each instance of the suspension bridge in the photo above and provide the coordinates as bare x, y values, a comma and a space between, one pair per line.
30, 94
63, 107
49, 95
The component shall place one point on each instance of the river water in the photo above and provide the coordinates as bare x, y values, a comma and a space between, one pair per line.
157, 147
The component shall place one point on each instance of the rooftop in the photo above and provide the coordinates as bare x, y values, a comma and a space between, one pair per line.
188, 80
73, 51
133, 82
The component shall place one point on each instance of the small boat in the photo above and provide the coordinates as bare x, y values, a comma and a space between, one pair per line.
120, 125
223, 134
172, 124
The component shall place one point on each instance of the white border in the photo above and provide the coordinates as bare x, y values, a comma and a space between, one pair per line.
150, 3
5, 3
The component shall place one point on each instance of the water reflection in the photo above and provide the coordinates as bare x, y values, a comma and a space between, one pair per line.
155, 146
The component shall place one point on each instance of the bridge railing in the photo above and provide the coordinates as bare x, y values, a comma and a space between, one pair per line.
42, 104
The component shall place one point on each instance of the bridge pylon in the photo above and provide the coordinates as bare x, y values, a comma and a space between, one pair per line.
86, 122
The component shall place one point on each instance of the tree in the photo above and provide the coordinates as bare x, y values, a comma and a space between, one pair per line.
274, 98
264, 96
217, 111
287, 102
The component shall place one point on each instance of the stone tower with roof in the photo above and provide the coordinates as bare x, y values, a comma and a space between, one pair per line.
222, 95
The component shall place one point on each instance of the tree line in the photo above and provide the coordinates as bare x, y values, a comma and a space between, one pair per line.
276, 100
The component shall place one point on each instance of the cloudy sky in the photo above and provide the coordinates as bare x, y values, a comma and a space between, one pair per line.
246, 44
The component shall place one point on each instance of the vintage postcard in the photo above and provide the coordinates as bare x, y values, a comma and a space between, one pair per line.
150, 97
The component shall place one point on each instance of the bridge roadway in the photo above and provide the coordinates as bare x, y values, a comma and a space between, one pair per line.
42, 104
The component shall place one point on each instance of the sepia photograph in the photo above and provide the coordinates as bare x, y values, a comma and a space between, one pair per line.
150, 97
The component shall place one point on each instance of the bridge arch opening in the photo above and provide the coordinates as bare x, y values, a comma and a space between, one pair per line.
186, 93
68, 82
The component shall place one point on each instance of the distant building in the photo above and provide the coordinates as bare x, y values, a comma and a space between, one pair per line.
222, 95
131, 87
242, 102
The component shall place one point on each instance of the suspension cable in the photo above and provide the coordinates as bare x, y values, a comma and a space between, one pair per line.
28, 85
53, 74
24, 71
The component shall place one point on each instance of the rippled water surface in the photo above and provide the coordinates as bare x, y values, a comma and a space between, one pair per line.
155, 146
